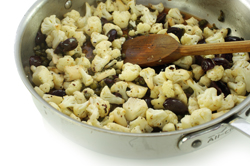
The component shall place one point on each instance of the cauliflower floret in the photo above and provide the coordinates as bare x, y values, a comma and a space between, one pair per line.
93, 115
86, 78
58, 80
55, 38
186, 122
239, 87
121, 18
190, 39
216, 38
159, 79
96, 38
143, 29
210, 100
121, 6
180, 94
228, 103
169, 127
73, 86
120, 87
69, 22
204, 80
79, 96
73, 14
50, 24
168, 89
68, 102
175, 75
111, 98
159, 97
192, 104
159, 118
192, 22
216, 73
80, 110
198, 89
110, 6
160, 7
80, 37
109, 26
82, 21
52, 98
117, 43
134, 108
65, 61
130, 72
55, 106
101, 12
148, 75
185, 62
116, 127
119, 116
174, 15
69, 30
99, 62
102, 105
101, 75
136, 9
140, 125
42, 75
72, 72
218, 114
136, 91
83, 61
52, 56
240, 56
94, 24
201, 116
207, 32
103, 48
197, 71
149, 17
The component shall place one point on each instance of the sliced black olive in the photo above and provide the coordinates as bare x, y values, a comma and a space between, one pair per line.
179, 32
112, 34
176, 106
198, 60
161, 18
228, 57
233, 38
207, 64
223, 62
58, 92
69, 44
40, 38
221, 87
148, 101
104, 21
35, 61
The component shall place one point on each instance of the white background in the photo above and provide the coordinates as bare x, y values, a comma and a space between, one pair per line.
26, 139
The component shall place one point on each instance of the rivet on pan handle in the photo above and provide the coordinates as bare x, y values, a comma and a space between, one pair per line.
200, 139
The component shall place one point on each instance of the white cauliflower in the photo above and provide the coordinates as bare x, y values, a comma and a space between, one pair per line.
86, 78
73, 14
72, 72
201, 116
58, 80
99, 62
109, 26
148, 75
52, 98
101, 75
102, 105
121, 18
69, 22
190, 39
176, 75
73, 86
65, 61
102, 12
136, 91
96, 38
120, 87
240, 56
140, 125
186, 122
80, 110
184, 62
80, 37
174, 15
192, 104
168, 89
116, 127
121, 6
82, 21
68, 102
130, 72
79, 96
197, 70
205, 81
209, 99
143, 29
239, 87
117, 43
55, 37
157, 27
159, 79
93, 114
159, 118
69, 30
149, 17
52, 56
198, 89
83, 61
110, 6
42, 75
134, 108
207, 32
192, 21
50, 24
216, 73
111, 98
160, 7
216, 38
119, 116
169, 127
93, 25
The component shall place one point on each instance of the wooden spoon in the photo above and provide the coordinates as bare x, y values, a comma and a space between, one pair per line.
153, 50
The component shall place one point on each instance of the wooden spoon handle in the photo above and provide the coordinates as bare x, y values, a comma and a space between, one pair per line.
215, 48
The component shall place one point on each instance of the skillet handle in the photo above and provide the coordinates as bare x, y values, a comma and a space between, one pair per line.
241, 125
